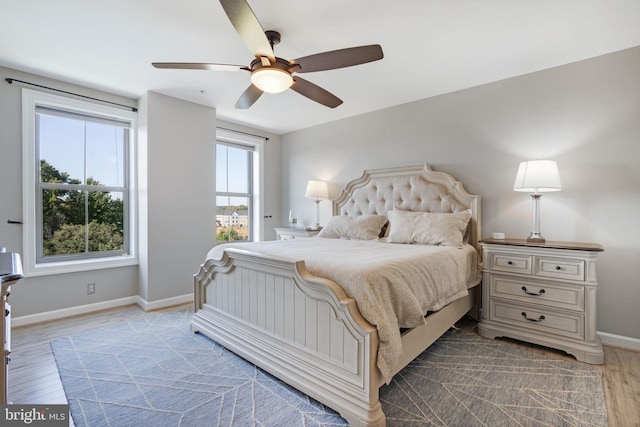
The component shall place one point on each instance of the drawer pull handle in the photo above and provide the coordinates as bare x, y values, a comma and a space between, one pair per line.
509, 262
539, 319
558, 268
542, 291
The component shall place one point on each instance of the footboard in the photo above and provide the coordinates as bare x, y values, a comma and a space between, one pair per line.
300, 328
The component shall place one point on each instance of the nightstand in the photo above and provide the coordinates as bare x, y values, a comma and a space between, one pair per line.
543, 293
288, 233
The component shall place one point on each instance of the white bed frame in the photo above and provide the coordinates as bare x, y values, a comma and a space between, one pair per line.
304, 329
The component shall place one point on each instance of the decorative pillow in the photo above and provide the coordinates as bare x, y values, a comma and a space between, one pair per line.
445, 229
365, 227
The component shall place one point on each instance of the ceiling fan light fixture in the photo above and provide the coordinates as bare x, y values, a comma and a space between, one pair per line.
271, 79
272, 74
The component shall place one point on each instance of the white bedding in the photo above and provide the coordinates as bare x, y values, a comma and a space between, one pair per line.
394, 285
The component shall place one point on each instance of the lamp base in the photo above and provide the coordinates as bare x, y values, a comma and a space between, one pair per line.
535, 238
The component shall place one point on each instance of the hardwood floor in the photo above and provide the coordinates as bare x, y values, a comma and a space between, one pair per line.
33, 375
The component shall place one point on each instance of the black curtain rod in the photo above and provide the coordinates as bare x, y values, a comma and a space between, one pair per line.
245, 133
10, 81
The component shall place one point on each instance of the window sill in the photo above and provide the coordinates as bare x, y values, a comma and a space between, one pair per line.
46, 269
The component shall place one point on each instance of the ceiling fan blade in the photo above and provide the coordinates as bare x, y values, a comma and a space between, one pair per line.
249, 97
315, 93
199, 66
248, 27
339, 58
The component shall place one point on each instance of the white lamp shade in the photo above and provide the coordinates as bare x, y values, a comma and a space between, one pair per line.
317, 190
271, 80
537, 176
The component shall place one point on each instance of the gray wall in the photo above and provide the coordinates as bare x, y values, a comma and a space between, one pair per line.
176, 193
585, 115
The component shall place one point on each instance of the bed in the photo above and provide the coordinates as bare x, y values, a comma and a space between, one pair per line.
304, 328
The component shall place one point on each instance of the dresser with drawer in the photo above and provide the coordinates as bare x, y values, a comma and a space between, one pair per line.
543, 293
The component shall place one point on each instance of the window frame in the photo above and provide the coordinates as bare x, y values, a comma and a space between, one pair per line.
32, 239
255, 145
248, 195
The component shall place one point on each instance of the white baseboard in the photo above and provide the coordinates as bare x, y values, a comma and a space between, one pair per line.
48, 316
619, 341
167, 302
104, 305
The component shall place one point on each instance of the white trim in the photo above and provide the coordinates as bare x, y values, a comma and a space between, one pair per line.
48, 316
105, 305
30, 100
163, 303
238, 137
620, 341
47, 269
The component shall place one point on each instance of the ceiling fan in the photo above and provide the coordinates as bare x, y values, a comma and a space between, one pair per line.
272, 74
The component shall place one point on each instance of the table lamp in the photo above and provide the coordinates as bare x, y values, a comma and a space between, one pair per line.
317, 190
536, 177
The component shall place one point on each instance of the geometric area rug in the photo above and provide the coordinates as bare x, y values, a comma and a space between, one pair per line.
155, 372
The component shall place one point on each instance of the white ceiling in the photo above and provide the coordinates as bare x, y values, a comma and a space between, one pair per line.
431, 47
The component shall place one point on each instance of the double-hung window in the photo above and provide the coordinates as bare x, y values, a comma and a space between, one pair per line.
78, 184
238, 186
234, 196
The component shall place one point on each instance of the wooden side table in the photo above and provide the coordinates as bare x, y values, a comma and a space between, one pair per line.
544, 293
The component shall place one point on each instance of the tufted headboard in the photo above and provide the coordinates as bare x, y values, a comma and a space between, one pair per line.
412, 188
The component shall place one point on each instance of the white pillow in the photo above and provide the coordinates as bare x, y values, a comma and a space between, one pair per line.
365, 227
445, 229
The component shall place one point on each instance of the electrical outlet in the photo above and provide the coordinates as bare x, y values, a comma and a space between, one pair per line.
91, 288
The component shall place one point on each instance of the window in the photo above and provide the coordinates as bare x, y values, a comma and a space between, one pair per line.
239, 180
234, 198
78, 184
